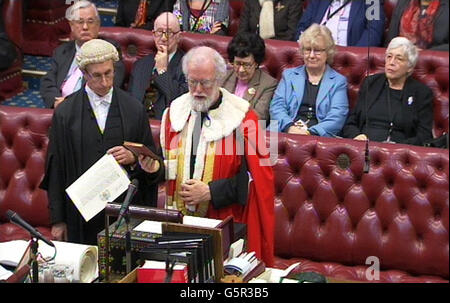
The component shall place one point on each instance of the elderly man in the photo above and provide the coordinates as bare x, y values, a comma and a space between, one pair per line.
156, 80
210, 143
89, 123
64, 77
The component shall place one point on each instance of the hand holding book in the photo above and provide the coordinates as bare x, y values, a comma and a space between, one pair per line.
148, 160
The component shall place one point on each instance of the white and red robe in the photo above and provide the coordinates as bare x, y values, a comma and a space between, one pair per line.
217, 158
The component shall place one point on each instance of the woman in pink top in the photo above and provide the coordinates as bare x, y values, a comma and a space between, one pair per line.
246, 52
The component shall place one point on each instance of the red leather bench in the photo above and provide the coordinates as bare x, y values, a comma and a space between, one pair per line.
329, 215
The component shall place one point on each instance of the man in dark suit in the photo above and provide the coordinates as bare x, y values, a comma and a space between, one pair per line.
158, 79
64, 77
127, 9
281, 17
346, 14
95, 120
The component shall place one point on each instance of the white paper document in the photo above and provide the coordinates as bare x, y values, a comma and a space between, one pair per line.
201, 222
100, 184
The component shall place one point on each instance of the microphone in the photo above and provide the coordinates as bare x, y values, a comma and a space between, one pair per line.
132, 189
16, 219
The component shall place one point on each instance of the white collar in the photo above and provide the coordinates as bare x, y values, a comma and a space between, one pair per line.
223, 120
96, 99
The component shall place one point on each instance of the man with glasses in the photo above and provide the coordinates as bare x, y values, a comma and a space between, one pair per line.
157, 79
215, 155
95, 120
64, 77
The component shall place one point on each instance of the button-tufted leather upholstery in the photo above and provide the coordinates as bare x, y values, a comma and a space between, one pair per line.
335, 216
11, 79
432, 68
45, 24
23, 146
328, 214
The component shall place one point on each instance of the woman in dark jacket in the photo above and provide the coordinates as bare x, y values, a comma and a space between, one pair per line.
424, 22
399, 108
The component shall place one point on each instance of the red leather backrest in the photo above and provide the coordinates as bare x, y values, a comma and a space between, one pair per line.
432, 68
23, 147
398, 212
12, 18
235, 11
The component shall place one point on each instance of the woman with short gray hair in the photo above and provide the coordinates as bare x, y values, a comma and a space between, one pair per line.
407, 102
312, 99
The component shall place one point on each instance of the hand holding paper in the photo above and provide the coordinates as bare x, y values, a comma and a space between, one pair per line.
100, 184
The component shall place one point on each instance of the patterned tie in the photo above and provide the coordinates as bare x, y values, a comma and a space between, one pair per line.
73, 83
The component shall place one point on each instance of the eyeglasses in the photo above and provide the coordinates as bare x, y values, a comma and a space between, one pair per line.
88, 22
168, 34
204, 83
318, 52
398, 59
245, 65
99, 77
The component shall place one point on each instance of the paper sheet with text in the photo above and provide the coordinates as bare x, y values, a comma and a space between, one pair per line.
103, 182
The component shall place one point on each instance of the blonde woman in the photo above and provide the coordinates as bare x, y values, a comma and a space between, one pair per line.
312, 99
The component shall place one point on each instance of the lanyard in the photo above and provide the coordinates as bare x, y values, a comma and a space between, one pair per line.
204, 7
329, 16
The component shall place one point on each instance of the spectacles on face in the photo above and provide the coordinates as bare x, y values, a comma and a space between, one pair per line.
204, 83
88, 22
310, 51
245, 65
169, 34
397, 59
98, 77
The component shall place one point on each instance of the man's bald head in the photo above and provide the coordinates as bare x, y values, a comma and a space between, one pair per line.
167, 20
167, 32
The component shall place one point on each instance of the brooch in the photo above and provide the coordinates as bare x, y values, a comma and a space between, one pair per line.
251, 91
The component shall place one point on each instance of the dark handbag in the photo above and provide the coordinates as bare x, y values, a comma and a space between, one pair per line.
440, 142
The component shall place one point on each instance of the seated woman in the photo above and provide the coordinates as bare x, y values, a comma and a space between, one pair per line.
423, 22
203, 16
312, 99
246, 52
271, 19
399, 108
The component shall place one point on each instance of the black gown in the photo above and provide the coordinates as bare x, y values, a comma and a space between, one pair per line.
76, 143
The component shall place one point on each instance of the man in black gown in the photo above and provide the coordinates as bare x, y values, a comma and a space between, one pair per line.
89, 123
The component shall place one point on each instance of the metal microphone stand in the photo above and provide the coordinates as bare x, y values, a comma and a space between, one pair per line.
128, 241
34, 262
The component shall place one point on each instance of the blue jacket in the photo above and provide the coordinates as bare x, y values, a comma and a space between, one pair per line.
331, 102
358, 27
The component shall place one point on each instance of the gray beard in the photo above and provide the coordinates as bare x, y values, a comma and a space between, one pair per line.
200, 106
